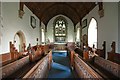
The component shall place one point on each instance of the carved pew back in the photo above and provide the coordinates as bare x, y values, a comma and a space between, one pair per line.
12, 55
102, 52
83, 70
38, 52
117, 58
14, 52
108, 66
5, 57
79, 51
46, 49
41, 69
71, 46
112, 55
14, 66
35, 53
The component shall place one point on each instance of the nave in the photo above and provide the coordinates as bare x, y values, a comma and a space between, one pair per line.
60, 66
33, 34
67, 64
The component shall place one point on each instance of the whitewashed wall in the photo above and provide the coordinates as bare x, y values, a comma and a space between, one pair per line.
107, 25
12, 23
119, 28
70, 31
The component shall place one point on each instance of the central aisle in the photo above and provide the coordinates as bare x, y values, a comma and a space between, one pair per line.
60, 66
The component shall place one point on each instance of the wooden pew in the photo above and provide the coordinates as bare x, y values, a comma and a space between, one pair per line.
13, 67
5, 57
102, 52
112, 69
85, 53
45, 48
14, 52
82, 69
40, 70
70, 47
51, 46
105, 68
79, 51
13, 55
112, 55
117, 58
36, 53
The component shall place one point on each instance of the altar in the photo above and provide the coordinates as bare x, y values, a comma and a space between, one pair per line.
59, 46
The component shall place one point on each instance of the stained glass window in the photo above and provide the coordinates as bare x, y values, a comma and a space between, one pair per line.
60, 29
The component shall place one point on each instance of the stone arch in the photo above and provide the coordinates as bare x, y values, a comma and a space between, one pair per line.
19, 40
70, 29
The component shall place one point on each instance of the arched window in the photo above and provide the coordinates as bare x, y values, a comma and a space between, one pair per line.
60, 29
92, 33
43, 36
78, 35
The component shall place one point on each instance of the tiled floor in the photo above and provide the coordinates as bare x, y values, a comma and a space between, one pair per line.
60, 66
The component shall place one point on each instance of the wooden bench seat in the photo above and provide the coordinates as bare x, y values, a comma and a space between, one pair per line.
79, 51
22, 71
83, 70
14, 66
117, 58
6, 58
106, 68
41, 69
104, 74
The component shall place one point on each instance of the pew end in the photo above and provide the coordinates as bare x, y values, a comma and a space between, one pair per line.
112, 55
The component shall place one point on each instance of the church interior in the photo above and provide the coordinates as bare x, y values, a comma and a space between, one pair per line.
59, 40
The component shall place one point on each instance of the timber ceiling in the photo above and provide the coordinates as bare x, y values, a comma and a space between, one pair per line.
73, 10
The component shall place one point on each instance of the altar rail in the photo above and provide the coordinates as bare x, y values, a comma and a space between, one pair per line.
59, 46
83, 70
41, 69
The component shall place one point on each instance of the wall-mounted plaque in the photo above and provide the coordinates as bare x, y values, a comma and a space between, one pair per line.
33, 22
84, 23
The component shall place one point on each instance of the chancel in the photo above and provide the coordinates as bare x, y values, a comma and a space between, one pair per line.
59, 40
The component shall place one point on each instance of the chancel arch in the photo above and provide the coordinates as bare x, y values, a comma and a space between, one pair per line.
92, 33
19, 40
70, 34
